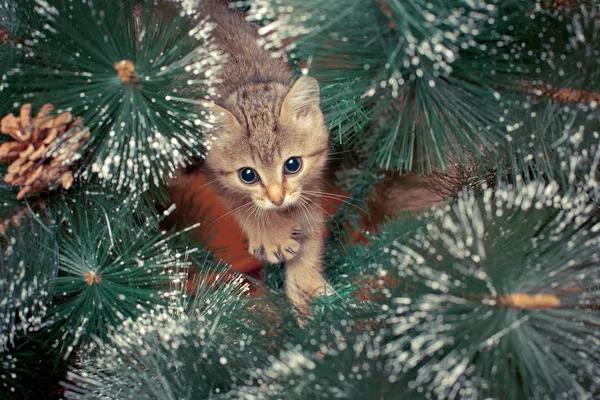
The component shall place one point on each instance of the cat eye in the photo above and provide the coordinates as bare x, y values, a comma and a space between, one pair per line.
248, 175
292, 165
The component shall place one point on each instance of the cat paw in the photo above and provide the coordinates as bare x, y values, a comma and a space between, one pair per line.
278, 250
296, 234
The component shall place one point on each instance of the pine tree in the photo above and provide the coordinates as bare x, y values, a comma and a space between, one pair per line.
493, 294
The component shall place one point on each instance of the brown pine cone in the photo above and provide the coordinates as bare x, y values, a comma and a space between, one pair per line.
43, 151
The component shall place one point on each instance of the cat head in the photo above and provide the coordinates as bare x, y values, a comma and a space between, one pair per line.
270, 144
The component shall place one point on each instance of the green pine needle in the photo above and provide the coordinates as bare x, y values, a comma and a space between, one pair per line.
27, 271
193, 350
459, 333
551, 142
145, 127
111, 267
572, 49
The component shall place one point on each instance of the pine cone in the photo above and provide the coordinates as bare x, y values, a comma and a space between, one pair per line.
43, 150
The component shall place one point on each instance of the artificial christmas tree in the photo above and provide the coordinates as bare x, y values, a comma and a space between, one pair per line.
487, 109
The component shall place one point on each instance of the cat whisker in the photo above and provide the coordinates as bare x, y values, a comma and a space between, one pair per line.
250, 214
336, 195
341, 196
327, 196
254, 215
327, 183
322, 209
307, 214
303, 209
262, 219
230, 212
343, 152
203, 186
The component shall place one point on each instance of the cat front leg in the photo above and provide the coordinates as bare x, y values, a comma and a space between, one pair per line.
274, 239
304, 280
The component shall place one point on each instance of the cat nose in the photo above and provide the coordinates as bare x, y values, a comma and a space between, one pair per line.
278, 201
276, 194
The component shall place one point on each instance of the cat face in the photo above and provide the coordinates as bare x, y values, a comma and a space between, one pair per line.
270, 152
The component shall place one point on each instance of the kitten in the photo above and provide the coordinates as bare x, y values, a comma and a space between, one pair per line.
269, 154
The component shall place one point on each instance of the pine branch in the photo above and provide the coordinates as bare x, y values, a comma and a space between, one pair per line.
27, 270
204, 340
111, 267
552, 141
568, 46
506, 274
143, 129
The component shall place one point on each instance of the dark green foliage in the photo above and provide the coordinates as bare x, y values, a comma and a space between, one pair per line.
8, 55
8, 197
358, 183
31, 371
217, 348
438, 324
44, 271
10, 50
192, 350
569, 39
453, 334
433, 83
27, 270
142, 131
552, 142
111, 266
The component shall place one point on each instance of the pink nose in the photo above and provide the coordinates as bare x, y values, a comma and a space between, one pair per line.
278, 201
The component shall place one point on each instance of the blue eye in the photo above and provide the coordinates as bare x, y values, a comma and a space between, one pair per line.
293, 165
248, 175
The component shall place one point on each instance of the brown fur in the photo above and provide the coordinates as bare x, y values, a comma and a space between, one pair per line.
261, 120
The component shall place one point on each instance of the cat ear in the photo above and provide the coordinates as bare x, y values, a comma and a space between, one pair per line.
302, 99
224, 119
